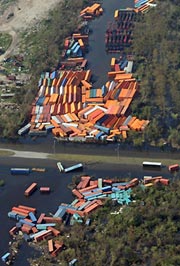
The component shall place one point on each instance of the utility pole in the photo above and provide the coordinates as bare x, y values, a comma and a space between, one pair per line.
118, 150
54, 146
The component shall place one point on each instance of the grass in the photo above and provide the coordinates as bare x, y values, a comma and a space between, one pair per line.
2, 183
6, 153
5, 40
88, 159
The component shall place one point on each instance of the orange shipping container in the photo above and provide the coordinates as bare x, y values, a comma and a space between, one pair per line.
54, 231
54, 123
50, 245
81, 43
77, 193
86, 84
29, 209
88, 75
30, 189
91, 208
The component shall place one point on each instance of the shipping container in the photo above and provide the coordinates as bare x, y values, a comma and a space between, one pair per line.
20, 171
74, 167
24, 129
174, 167
5, 257
30, 189
152, 164
44, 189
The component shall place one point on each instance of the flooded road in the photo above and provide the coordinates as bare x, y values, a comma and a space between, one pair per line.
12, 194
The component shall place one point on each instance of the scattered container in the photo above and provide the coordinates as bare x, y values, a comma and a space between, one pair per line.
44, 189
152, 164
20, 171
174, 167
74, 167
30, 189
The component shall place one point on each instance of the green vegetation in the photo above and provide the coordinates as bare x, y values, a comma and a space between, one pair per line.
4, 4
6, 153
157, 51
5, 41
41, 49
146, 232
125, 159
2, 182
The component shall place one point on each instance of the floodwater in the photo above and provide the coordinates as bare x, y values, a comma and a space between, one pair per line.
98, 60
12, 194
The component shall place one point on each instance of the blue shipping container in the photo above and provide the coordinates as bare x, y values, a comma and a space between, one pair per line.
20, 171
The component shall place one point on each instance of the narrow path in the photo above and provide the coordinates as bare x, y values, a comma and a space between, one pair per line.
27, 154
13, 44
20, 16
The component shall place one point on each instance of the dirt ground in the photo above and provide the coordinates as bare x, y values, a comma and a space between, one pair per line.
23, 15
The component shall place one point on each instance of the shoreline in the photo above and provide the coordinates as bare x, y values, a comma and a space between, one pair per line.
131, 158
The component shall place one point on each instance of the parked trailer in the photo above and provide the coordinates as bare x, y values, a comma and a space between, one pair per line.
20, 171
174, 167
30, 189
74, 167
152, 164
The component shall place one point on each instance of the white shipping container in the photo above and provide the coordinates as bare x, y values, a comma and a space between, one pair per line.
68, 118
37, 109
61, 90
56, 119
70, 125
37, 118
41, 91
41, 109
112, 85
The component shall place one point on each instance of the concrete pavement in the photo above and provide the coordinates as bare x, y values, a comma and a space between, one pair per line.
27, 154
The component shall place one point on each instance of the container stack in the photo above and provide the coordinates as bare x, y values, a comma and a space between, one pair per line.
35, 228
70, 107
91, 12
119, 33
89, 195
143, 5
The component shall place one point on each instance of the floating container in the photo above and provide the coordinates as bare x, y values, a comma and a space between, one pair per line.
60, 167
32, 217
45, 189
44, 226
74, 167
22, 221
5, 257
12, 215
174, 167
60, 212
152, 164
20, 171
30, 189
